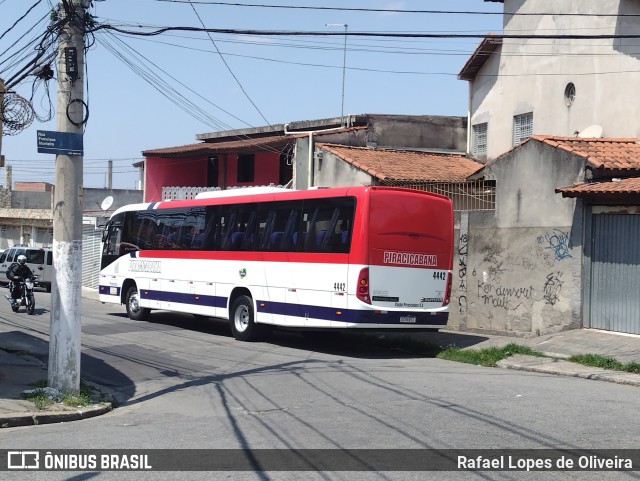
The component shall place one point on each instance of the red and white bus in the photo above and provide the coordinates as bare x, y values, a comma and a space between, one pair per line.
345, 257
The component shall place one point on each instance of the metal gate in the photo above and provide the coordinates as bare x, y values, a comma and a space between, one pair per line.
91, 239
613, 295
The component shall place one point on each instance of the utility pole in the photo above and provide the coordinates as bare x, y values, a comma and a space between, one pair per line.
2, 89
66, 294
110, 174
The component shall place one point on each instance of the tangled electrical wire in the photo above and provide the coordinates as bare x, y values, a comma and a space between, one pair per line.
17, 113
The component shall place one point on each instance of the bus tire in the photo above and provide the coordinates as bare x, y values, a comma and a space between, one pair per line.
243, 326
134, 311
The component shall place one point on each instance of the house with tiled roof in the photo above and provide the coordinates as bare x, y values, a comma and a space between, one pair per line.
338, 165
560, 251
282, 154
565, 68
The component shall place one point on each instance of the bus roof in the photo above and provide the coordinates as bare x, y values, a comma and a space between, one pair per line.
215, 194
268, 194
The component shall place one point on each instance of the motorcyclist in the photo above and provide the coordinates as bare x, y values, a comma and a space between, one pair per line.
18, 271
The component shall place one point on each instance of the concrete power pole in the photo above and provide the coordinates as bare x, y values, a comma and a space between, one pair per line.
66, 294
2, 89
110, 174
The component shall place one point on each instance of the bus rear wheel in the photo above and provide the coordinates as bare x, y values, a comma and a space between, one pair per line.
134, 311
243, 326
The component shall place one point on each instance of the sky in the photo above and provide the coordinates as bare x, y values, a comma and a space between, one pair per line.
231, 81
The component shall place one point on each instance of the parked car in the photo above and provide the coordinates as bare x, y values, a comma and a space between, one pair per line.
39, 260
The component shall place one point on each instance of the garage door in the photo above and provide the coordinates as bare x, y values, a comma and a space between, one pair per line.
90, 255
614, 289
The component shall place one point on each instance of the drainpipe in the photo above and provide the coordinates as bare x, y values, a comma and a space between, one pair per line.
310, 163
469, 119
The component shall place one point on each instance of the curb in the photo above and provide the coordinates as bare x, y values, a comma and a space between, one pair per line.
521, 362
11, 420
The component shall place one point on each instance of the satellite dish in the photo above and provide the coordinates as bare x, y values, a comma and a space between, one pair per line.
591, 132
106, 203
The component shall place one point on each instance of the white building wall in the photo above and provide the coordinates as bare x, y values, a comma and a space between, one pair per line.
531, 75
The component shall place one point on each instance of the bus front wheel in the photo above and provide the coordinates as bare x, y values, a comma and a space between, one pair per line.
134, 311
243, 326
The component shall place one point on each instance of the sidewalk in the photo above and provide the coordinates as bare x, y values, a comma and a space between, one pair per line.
23, 363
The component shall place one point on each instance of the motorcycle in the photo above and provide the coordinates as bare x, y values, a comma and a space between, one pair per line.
26, 298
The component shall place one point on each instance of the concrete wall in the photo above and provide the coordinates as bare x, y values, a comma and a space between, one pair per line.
331, 171
424, 132
518, 270
23, 199
420, 131
605, 73
526, 179
516, 281
93, 200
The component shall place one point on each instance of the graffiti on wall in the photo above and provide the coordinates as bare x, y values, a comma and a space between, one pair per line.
552, 287
508, 298
558, 242
463, 250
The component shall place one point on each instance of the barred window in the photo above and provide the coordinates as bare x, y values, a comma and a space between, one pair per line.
480, 140
522, 127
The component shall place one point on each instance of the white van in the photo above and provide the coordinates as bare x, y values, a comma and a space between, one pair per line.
39, 260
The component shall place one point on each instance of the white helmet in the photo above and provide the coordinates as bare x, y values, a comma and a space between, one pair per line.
22, 259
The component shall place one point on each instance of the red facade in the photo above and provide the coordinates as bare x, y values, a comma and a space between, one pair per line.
219, 170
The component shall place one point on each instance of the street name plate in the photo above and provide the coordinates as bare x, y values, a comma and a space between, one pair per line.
60, 143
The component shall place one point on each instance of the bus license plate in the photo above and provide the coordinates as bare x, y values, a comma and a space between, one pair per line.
408, 319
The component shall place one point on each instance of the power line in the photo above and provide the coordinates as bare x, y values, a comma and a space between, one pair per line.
295, 33
20, 19
229, 68
176, 97
398, 10
382, 50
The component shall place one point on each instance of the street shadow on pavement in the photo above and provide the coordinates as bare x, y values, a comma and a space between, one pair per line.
35, 352
352, 343
203, 324
373, 344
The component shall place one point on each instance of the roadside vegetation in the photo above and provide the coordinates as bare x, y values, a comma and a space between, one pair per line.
485, 357
482, 357
44, 397
596, 360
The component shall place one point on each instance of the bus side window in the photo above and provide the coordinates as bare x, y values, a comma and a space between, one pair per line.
228, 228
249, 237
326, 225
279, 220
212, 231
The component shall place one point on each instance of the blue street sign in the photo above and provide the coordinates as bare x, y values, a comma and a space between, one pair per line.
60, 143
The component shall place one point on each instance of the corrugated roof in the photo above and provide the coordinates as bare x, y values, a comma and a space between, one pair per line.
612, 187
405, 165
621, 154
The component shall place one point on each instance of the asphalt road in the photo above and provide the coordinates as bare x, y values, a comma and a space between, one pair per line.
186, 383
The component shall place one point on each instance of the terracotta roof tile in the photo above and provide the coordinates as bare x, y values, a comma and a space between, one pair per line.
613, 187
388, 164
258, 143
600, 153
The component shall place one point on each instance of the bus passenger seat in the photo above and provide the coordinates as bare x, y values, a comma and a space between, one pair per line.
320, 236
275, 239
236, 239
